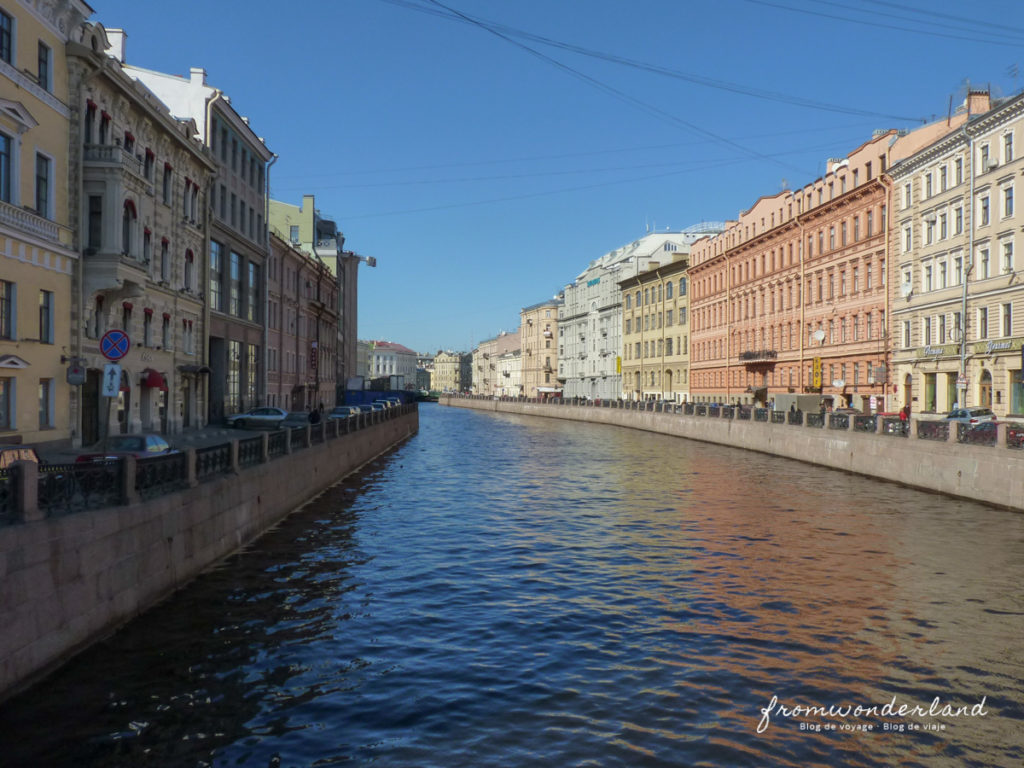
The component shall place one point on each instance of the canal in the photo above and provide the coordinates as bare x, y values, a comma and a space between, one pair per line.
514, 591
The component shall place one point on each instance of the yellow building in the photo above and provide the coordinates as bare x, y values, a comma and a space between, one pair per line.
655, 333
37, 263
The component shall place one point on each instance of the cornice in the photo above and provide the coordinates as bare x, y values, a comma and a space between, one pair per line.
28, 83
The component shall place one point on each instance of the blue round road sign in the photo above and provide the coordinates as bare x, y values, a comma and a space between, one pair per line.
114, 345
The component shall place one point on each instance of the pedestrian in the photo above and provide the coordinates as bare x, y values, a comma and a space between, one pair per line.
904, 418
792, 407
314, 416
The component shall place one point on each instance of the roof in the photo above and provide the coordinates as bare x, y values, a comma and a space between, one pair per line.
390, 346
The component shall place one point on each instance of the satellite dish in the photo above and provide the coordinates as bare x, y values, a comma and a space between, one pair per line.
818, 335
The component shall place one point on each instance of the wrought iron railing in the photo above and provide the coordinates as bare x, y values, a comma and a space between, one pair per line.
157, 475
212, 461
250, 451
933, 430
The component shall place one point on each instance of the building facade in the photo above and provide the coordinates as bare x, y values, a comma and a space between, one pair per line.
390, 359
958, 297
655, 333
496, 370
143, 178
453, 372
590, 321
301, 317
38, 260
793, 296
234, 271
538, 342
305, 227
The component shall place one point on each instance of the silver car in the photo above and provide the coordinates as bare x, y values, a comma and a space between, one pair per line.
264, 417
970, 415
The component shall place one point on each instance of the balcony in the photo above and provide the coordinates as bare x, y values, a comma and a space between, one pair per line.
758, 355
114, 156
28, 221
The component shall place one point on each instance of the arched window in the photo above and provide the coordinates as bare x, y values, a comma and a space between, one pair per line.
128, 219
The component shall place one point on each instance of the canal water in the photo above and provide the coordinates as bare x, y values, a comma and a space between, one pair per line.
507, 591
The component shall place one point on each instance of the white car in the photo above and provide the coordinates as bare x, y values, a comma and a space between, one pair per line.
263, 417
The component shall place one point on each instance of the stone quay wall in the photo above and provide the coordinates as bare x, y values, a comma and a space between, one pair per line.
990, 474
70, 580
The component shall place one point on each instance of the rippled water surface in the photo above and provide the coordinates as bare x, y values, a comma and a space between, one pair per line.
505, 591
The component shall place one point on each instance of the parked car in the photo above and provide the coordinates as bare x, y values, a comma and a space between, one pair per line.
294, 419
376, 406
364, 408
343, 412
970, 415
385, 404
139, 446
12, 453
264, 417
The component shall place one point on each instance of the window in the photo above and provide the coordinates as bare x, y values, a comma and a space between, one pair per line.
958, 168
190, 270
906, 195
216, 276
927, 331
1007, 256
165, 260
958, 221
94, 238
984, 211
252, 304
147, 168
943, 178
127, 227
668, 290
906, 334
6, 38
7, 310
870, 223
235, 285
958, 270
983, 322
942, 329
46, 393
165, 332
168, 176
147, 328
7, 404
983, 260
856, 229
927, 185
1007, 318
682, 286
1008, 201
943, 227
46, 317
147, 245
1007, 147
45, 67
44, 172
908, 239
126, 318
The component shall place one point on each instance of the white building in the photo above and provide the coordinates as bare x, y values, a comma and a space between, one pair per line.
590, 320
390, 359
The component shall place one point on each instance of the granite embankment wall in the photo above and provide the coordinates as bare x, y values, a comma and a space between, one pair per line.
68, 581
994, 475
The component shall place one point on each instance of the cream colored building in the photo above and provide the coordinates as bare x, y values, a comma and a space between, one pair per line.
538, 331
497, 369
144, 179
452, 372
958, 294
37, 255
655, 333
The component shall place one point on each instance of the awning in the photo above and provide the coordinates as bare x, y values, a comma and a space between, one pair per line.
549, 389
189, 368
153, 379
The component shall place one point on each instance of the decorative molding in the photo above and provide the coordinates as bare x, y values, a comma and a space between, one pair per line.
29, 84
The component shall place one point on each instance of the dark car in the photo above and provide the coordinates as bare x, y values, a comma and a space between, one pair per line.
139, 446
294, 419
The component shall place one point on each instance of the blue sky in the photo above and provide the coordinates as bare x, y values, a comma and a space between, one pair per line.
485, 151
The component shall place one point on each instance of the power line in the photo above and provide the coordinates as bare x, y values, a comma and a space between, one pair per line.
654, 111
722, 85
878, 25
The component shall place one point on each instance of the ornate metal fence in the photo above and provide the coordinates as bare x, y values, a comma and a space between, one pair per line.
212, 461
250, 451
933, 430
161, 474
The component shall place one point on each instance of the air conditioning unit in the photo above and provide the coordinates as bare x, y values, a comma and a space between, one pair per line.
991, 165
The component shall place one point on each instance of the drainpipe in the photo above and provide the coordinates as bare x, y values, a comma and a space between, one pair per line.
968, 258
204, 287
266, 289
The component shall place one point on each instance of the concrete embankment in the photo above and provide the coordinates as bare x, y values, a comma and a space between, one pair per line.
67, 581
979, 473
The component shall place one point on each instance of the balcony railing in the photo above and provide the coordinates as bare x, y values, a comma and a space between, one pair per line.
753, 355
28, 221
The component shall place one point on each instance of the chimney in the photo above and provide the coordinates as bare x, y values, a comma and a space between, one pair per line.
197, 76
978, 102
117, 38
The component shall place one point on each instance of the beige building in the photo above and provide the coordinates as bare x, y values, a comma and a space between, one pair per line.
453, 372
37, 257
144, 178
495, 371
958, 296
655, 333
301, 317
538, 332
